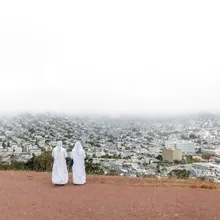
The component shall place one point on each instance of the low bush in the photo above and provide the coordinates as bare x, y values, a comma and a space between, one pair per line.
179, 174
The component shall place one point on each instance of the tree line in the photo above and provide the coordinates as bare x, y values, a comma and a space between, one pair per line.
44, 163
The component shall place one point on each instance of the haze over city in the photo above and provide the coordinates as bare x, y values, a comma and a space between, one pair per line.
117, 57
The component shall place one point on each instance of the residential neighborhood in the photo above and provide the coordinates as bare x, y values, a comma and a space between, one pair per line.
124, 146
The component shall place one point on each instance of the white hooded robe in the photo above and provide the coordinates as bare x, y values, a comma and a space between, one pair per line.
59, 172
78, 155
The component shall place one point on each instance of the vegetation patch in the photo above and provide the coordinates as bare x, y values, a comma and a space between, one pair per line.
44, 163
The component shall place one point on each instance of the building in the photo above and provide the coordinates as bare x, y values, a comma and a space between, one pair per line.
171, 155
6, 158
16, 149
186, 146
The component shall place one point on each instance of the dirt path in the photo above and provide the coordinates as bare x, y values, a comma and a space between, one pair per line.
31, 196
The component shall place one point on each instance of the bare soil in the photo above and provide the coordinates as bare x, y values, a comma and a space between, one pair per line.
32, 196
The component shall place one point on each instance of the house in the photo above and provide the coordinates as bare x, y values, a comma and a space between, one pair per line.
99, 153
6, 158
134, 159
3, 137
10, 149
16, 149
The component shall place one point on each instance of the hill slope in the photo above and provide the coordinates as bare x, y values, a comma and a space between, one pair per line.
29, 195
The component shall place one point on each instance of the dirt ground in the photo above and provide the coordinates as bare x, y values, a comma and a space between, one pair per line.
31, 196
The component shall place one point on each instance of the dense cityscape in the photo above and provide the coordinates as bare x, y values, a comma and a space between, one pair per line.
124, 146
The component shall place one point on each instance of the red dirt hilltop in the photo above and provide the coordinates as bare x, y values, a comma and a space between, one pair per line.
31, 196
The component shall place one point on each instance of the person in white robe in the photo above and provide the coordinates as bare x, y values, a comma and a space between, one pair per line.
78, 156
59, 172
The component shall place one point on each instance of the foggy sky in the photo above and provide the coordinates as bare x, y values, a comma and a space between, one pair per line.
110, 57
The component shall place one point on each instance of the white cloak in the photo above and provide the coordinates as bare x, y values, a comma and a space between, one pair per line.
60, 172
78, 155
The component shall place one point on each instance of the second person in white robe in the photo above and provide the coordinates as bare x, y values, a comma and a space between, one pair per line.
78, 156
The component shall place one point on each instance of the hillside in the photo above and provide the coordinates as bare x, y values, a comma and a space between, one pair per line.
29, 195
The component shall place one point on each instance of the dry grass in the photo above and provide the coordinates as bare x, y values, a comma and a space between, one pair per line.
153, 182
205, 185
119, 181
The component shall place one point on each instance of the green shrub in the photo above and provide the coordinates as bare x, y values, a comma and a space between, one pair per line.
179, 174
93, 168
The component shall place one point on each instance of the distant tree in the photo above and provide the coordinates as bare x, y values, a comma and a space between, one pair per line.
149, 139
179, 174
151, 176
189, 158
183, 137
107, 156
29, 165
206, 156
158, 168
4, 145
179, 161
31, 130
164, 169
159, 157
93, 168
199, 141
199, 151
126, 158
192, 136
43, 162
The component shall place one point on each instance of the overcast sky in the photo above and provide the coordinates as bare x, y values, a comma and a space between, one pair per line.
110, 56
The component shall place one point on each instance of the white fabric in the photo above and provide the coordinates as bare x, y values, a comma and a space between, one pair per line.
78, 155
60, 172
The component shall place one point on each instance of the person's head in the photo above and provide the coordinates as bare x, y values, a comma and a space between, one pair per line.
78, 147
59, 145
